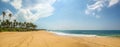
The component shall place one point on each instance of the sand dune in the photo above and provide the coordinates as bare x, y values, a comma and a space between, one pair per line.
46, 39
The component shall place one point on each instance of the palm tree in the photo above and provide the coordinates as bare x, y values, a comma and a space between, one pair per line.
3, 23
7, 22
3, 13
0, 23
17, 24
14, 24
25, 23
20, 24
34, 26
10, 15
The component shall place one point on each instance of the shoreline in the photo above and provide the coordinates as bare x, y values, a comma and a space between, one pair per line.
82, 35
47, 39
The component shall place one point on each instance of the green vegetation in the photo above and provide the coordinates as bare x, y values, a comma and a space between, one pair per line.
8, 25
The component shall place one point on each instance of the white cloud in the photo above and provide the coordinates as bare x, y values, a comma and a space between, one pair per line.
98, 6
32, 10
7, 15
5, 0
17, 3
113, 2
8, 11
36, 11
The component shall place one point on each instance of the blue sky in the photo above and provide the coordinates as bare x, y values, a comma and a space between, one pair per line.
66, 14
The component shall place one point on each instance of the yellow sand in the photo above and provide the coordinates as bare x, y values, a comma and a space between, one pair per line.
46, 39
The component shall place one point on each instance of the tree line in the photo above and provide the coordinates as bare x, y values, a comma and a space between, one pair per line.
8, 25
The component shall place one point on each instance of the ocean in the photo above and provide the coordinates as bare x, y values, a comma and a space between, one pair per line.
115, 33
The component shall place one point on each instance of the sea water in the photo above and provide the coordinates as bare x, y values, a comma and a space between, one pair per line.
87, 32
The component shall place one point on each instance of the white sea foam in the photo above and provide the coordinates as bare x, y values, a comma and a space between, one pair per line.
77, 35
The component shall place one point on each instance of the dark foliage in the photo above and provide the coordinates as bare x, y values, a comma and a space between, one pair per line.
8, 25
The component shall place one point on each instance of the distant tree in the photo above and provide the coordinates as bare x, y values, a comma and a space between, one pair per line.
20, 24
25, 24
34, 26
0, 23
7, 23
10, 15
14, 24
3, 13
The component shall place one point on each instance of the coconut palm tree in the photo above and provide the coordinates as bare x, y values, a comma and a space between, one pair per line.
20, 24
7, 22
3, 23
10, 15
11, 25
25, 23
14, 23
0, 23
34, 26
3, 13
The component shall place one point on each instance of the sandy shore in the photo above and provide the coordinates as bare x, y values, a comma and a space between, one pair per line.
46, 39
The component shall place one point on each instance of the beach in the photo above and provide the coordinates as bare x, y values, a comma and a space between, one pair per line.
47, 39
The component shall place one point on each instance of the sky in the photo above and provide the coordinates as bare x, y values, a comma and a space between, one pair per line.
65, 14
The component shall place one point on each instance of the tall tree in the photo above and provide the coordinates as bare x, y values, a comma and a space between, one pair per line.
10, 15
34, 26
3, 13
25, 23
3, 22
20, 24
14, 23
0, 23
7, 22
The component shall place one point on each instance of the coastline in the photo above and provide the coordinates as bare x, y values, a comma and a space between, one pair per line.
87, 33
47, 39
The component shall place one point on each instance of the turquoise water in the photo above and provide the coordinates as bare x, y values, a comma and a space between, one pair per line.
90, 32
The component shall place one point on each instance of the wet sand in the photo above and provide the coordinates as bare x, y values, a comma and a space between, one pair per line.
47, 39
